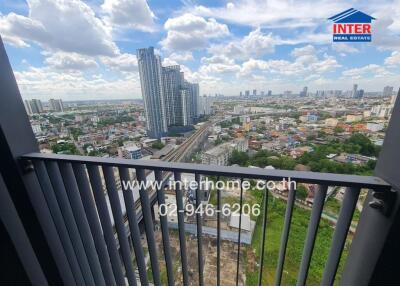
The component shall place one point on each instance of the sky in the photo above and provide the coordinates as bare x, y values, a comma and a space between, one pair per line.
74, 49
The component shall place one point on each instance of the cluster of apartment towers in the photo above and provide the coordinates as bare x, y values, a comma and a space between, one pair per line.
170, 101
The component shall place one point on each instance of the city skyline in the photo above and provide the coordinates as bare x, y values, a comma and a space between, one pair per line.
280, 47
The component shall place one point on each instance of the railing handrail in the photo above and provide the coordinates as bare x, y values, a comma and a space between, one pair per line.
331, 179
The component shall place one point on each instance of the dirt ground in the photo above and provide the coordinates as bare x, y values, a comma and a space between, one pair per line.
228, 260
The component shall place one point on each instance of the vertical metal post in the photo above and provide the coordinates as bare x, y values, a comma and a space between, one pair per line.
199, 231
181, 226
340, 234
264, 227
119, 224
57, 216
240, 232
80, 217
98, 192
72, 227
285, 235
218, 235
133, 224
164, 230
316, 212
148, 224
94, 223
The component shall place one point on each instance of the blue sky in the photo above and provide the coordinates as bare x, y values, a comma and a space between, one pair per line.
75, 49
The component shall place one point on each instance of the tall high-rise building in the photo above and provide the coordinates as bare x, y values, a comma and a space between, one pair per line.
150, 72
194, 94
204, 107
387, 91
172, 82
303, 93
56, 105
360, 94
269, 93
169, 99
254, 92
354, 93
247, 93
28, 108
33, 106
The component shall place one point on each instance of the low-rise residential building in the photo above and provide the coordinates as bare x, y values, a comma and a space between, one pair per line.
375, 127
353, 118
331, 122
218, 155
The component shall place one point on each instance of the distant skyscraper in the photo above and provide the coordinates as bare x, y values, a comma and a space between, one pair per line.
172, 82
303, 93
56, 105
262, 93
28, 108
355, 87
387, 91
360, 94
247, 93
169, 99
204, 107
254, 92
241, 94
269, 92
33, 106
150, 72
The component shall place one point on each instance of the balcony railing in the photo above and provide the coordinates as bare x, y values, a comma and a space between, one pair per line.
74, 191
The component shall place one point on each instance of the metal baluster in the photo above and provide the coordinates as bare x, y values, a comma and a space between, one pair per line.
148, 223
199, 231
285, 235
181, 225
316, 212
240, 232
80, 217
112, 191
264, 227
133, 225
94, 223
73, 272
218, 235
165, 232
339, 236
104, 214
66, 210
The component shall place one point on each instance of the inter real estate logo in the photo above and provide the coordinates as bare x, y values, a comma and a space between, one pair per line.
352, 26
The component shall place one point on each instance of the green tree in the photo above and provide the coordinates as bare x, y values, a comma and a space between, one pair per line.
157, 145
240, 158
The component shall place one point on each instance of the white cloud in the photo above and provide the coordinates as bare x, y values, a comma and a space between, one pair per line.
393, 59
306, 62
188, 32
17, 30
70, 61
69, 26
123, 62
344, 48
181, 57
272, 13
256, 43
135, 14
303, 51
368, 71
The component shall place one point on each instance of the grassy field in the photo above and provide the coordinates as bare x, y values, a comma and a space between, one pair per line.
298, 230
